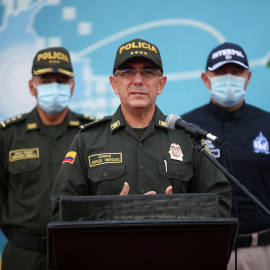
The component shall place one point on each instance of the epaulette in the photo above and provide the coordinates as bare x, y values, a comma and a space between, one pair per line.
86, 117
13, 120
204, 144
96, 122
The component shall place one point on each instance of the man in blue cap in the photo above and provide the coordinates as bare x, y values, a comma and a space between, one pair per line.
247, 129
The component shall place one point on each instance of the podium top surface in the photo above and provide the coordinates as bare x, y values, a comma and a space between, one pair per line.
136, 207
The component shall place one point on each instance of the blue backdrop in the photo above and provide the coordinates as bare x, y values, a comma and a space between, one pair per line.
184, 31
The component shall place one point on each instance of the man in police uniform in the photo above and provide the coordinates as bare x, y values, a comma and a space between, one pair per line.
133, 151
32, 148
247, 129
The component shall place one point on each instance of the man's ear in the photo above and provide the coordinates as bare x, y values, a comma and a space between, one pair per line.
72, 88
206, 80
162, 82
248, 78
32, 88
113, 82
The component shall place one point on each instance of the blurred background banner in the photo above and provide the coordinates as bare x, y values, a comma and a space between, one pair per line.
92, 30
184, 31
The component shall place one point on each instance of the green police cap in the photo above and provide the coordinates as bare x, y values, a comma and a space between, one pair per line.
137, 48
52, 60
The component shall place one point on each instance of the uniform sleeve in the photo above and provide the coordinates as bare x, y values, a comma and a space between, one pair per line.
3, 178
71, 179
209, 179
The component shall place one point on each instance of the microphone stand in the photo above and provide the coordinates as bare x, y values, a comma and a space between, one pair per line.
197, 145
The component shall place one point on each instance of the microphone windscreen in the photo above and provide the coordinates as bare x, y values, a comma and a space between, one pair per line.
171, 120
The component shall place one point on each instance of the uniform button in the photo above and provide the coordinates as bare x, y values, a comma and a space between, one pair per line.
142, 190
177, 173
55, 161
141, 166
105, 174
54, 142
140, 144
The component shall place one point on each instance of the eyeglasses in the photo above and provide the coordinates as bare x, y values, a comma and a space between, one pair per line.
146, 74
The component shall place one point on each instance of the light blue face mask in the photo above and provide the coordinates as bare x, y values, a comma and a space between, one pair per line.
53, 98
228, 90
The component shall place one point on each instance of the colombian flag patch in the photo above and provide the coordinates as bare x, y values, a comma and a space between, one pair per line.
70, 157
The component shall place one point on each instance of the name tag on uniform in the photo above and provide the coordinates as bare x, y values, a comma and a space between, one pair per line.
20, 154
104, 158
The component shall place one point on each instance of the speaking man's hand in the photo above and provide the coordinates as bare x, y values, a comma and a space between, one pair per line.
125, 190
168, 190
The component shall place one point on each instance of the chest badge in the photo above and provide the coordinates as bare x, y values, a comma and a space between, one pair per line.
261, 145
176, 152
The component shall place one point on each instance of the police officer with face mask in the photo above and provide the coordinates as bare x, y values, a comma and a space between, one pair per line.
32, 148
247, 129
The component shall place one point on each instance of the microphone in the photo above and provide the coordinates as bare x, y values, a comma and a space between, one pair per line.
174, 121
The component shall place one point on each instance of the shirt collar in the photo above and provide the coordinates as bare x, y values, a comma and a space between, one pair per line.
34, 121
224, 114
118, 119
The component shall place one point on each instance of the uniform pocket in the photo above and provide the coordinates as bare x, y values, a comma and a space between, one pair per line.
23, 178
178, 175
23, 166
107, 179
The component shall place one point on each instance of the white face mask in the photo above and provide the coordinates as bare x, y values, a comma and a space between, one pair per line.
53, 98
228, 90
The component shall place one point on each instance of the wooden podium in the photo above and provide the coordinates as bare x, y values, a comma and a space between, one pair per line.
160, 243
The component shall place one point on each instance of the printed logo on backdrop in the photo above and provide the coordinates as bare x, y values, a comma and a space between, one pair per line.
261, 144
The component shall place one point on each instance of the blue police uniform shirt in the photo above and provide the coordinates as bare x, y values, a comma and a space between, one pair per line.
247, 130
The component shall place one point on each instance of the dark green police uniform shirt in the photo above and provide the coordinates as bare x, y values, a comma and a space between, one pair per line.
106, 153
29, 162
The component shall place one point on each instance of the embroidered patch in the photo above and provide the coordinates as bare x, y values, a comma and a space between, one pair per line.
261, 145
104, 158
70, 157
20, 154
215, 151
176, 152
203, 143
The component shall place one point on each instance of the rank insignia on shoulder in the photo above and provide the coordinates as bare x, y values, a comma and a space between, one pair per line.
70, 157
176, 152
96, 121
204, 144
13, 120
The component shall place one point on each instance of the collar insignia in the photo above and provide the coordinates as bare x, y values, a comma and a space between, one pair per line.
32, 126
115, 125
261, 145
162, 123
74, 123
176, 152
